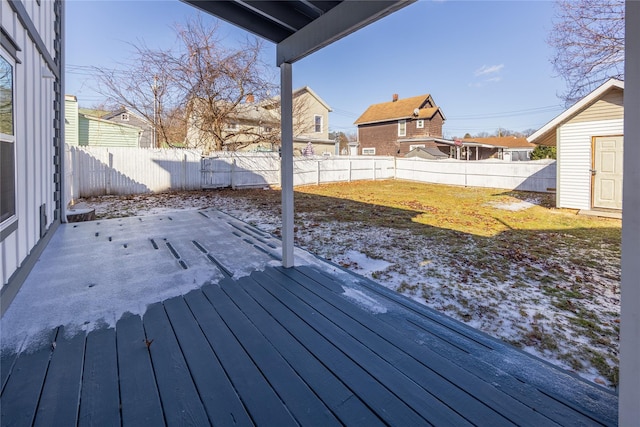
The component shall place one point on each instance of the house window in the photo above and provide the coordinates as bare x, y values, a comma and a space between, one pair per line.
233, 126
420, 124
368, 151
125, 117
317, 120
414, 146
402, 128
7, 146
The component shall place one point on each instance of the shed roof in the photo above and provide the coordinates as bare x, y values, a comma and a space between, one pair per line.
503, 142
400, 109
575, 109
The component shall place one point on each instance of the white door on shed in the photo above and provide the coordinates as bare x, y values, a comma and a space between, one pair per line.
607, 172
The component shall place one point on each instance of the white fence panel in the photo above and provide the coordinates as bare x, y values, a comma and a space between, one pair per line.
93, 171
123, 170
539, 175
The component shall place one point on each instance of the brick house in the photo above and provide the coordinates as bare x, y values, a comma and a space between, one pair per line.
394, 128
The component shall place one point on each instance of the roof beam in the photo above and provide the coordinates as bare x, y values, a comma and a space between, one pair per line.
344, 19
243, 17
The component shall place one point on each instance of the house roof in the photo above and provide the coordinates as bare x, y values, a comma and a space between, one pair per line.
110, 123
276, 99
427, 153
400, 109
502, 142
300, 27
122, 110
576, 108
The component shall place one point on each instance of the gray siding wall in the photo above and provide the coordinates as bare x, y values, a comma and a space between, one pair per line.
34, 132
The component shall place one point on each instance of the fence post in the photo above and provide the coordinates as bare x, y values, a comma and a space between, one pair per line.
349, 180
374, 170
109, 172
231, 172
318, 172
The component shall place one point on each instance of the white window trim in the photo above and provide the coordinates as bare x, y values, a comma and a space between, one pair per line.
315, 117
402, 128
411, 147
10, 224
369, 151
125, 117
420, 124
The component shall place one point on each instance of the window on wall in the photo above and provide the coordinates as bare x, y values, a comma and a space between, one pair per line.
124, 117
368, 151
402, 128
317, 123
420, 124
7, 142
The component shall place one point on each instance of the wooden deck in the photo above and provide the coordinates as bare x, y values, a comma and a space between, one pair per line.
288, 347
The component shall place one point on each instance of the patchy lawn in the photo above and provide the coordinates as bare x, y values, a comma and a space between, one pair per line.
506, 262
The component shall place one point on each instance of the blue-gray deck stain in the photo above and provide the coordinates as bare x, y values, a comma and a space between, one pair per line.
285, 347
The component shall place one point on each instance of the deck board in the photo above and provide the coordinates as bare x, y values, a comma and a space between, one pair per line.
99, 400
138, 390
218, 396
559, 410
295, 393
61, 393
389, 407
334, 393
180, 400
262, 403
449, 382
21, 394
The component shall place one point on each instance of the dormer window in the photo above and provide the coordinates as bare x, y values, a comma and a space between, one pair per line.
124, 117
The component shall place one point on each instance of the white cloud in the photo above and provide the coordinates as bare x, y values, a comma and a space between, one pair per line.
488, 69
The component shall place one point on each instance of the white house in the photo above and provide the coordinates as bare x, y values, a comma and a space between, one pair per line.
31, 140
589, 141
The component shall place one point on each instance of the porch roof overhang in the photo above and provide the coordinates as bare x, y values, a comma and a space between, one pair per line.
300, 27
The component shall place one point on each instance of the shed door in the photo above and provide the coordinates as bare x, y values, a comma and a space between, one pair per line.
607, 172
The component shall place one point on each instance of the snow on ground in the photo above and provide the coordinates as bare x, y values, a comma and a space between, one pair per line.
518, 303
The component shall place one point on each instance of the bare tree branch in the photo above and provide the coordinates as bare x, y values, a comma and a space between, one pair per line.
588, 36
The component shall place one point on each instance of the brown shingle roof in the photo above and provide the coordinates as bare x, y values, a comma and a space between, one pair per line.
400, 109
503, 141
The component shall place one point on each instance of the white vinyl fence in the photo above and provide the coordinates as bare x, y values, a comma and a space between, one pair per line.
93, 171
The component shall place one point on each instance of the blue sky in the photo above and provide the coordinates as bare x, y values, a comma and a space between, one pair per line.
486, 63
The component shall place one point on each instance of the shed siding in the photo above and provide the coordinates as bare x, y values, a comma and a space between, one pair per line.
99, 133
574, 160
71, 122
608, 107
34, 134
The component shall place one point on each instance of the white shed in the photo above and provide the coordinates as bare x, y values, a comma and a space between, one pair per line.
589, 141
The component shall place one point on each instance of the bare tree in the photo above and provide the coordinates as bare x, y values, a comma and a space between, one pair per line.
588, 37
200, 86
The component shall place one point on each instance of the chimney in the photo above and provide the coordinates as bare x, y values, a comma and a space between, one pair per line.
250, 99
395, 97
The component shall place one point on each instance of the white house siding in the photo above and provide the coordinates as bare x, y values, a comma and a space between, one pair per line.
574, 160
34, 128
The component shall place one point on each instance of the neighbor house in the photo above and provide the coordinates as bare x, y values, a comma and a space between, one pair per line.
396, 127
125, 116
31, 139
89, 130
589, 143
255, 126
508, 148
